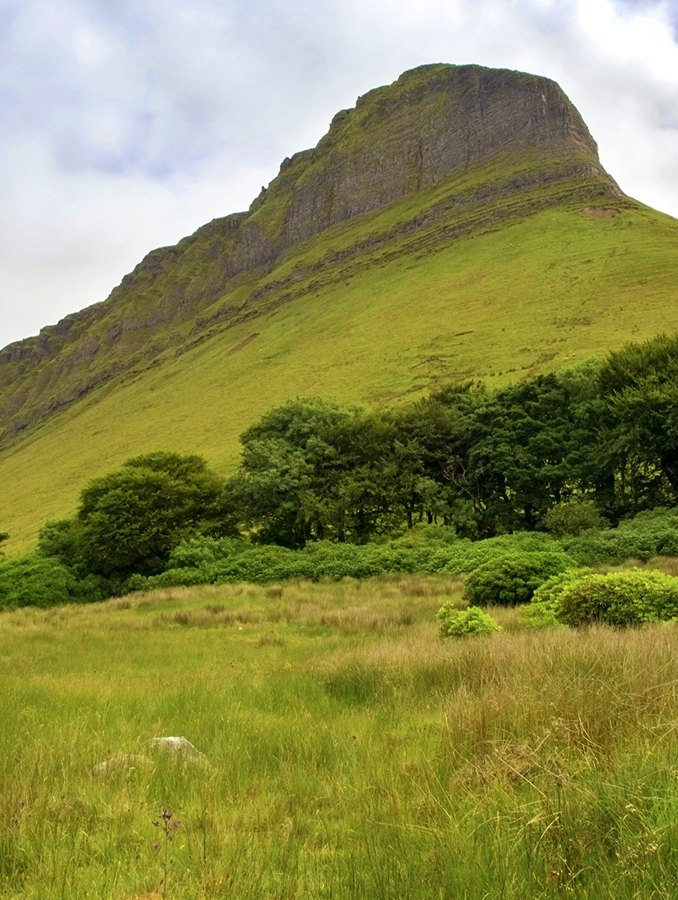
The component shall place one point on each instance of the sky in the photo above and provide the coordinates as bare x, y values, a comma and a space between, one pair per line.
127, 124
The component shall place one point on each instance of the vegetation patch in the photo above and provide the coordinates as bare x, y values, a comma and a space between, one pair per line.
349, 752
619, 598
462, 623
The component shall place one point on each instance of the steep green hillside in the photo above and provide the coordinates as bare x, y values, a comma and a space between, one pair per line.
545, 292
524, 258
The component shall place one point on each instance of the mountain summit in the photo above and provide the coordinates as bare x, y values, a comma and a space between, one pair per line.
500, 143
429, 125
454, 224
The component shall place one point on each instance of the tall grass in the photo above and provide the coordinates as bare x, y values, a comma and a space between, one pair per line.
353, 754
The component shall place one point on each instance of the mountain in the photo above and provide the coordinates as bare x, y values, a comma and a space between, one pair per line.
455, 223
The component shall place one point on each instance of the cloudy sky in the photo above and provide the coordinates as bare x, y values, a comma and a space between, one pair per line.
127, 124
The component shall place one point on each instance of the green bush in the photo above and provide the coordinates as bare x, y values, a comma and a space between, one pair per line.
650, 533
36, 580
462, 623
573, 517
203, 551
466, 555
510, 580
619, 598
540, 612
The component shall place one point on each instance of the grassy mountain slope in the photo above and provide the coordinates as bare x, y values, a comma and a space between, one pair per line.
509, 265
547, 291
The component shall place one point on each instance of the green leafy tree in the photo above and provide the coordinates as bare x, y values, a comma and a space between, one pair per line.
279, 492
638, 431
437, 431
129, 521
526, 449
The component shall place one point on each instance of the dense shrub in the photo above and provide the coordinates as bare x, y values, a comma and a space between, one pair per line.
466, 556
510, 580
462, 623
36, 580
619, 598
573, 517
541, 611
650, 533
206, 560
204, 551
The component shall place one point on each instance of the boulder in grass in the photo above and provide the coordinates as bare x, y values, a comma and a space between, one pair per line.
120, 761
178, 748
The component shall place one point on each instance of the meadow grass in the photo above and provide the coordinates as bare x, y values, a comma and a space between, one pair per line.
352, 753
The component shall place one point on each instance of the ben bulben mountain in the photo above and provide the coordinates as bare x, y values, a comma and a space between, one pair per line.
442, 153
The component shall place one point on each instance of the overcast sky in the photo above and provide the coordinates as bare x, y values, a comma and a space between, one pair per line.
127, 124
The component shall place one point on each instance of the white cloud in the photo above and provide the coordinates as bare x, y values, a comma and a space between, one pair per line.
129, 124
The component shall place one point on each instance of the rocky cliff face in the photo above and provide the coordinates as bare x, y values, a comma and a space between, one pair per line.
428, 125
434, 123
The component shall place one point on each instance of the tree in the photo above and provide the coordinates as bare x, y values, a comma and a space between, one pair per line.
279, 491
638, 386
312, 470
129, 521
525, 446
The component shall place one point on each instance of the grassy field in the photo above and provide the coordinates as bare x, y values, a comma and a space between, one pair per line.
351, 752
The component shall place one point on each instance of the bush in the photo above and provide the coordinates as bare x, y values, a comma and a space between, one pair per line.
203, 551
462, 623
650, 533
541, 611
573, 517
36, 580
510, 580
619, 598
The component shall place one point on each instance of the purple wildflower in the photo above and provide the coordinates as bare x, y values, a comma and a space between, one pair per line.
156, 846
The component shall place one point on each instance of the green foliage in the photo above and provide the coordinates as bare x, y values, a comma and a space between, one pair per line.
521, 444
203, 550
36, 580
541, 611
619, 598
650, 533
278, 492
314, 471
639, 431
431, 550
129, 521
509, 580
572, 517
63, 539
462, 623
